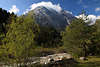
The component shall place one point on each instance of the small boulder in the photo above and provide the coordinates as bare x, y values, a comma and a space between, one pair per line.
83, 58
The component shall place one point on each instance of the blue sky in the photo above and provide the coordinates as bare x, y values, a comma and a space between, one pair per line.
92, 7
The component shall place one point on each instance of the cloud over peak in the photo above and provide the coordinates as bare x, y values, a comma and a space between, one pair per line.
48, 5
90, 17
14, 9
56, 7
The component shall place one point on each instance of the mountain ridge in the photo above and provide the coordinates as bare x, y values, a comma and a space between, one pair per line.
49, 17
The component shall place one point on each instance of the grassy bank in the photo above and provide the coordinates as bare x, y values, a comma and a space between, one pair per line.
93, 61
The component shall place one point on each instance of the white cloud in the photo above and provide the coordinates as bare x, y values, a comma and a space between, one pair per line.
97, 9
14, 9
82, 16
27, 10
91, 18
56, 7
98, 17
47, 4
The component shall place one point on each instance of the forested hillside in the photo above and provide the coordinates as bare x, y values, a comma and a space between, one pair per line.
21, 37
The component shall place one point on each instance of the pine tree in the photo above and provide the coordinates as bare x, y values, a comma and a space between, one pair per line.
77, 37
20, 38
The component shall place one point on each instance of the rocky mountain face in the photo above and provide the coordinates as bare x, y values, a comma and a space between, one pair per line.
51, 18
